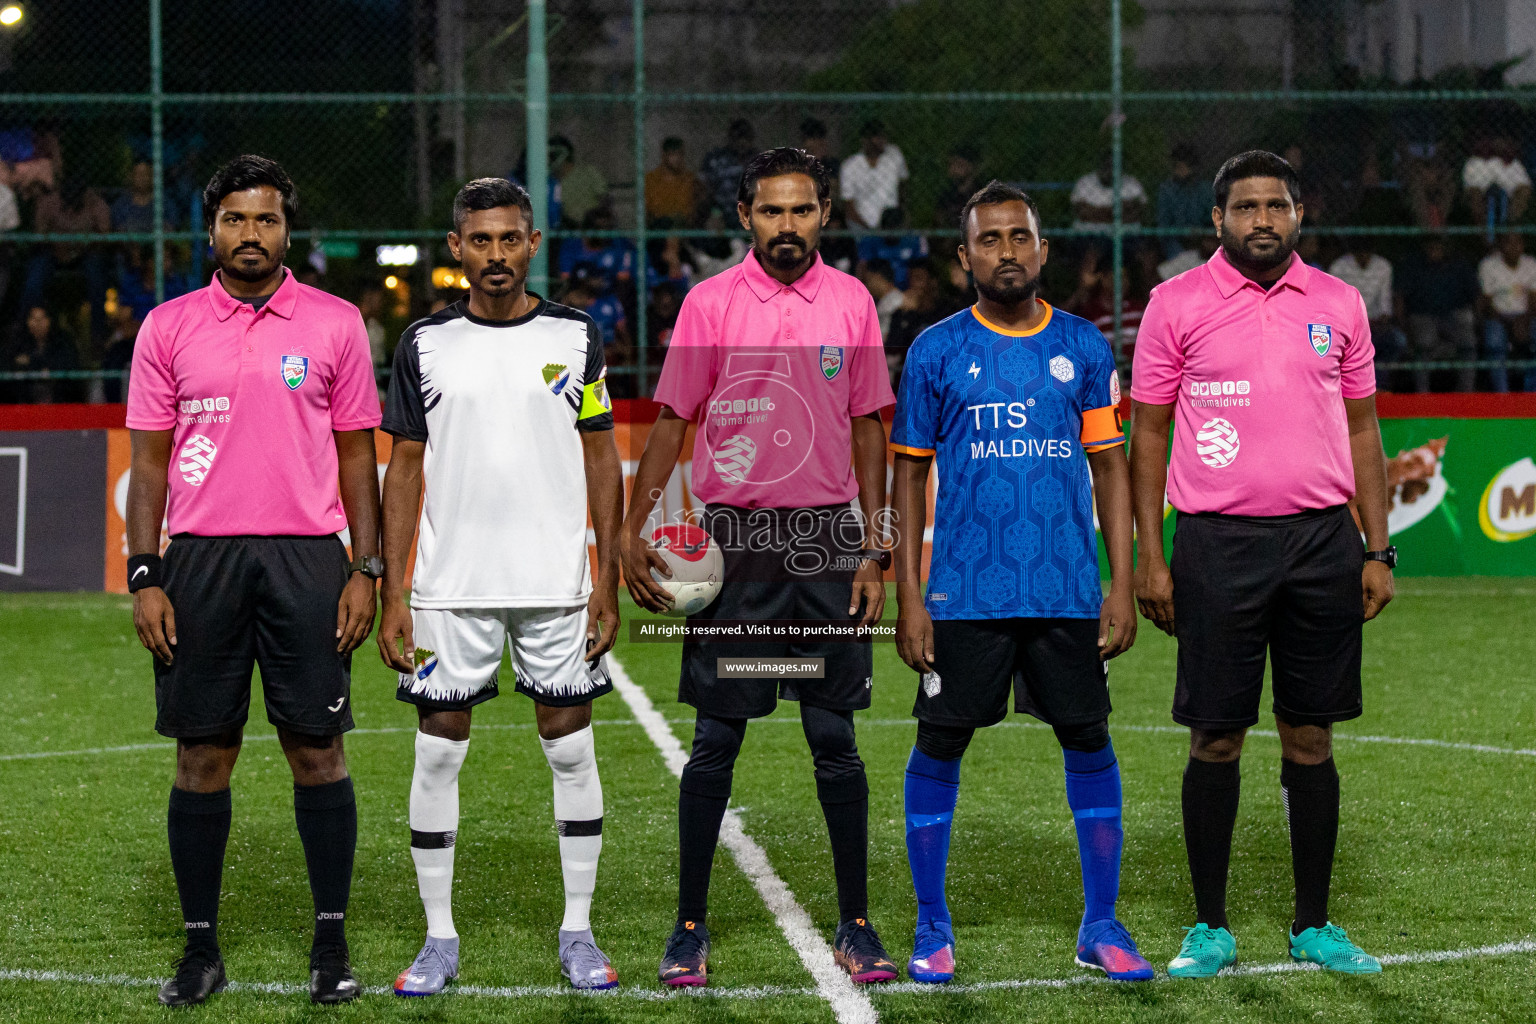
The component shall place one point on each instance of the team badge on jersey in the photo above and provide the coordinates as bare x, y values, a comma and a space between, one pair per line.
1321, 336
557, 377
295, 371
831, 360
1114, 387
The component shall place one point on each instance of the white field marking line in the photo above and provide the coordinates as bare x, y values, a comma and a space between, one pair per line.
849, 1005
761, 992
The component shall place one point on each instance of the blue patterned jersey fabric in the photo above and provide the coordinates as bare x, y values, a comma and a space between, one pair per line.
1010, 417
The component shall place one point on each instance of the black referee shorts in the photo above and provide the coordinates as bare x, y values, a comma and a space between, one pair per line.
1051, 666
1285, 585
780, 563
247, 601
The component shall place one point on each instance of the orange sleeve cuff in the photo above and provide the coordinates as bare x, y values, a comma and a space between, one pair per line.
905, 450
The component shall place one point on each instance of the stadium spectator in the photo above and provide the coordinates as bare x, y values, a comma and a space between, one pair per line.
1373, 204
1370, 273
133, 211
1093, 198
613, 259
723, 165
371, 305
878, 276
1497, 183
118, 354
1315, 184
1507, 277
894, 245
1183, 199
711, 256
874, 179
582, 186
10, 220
1195, 250
839, 251
661, 317
960, 183
588, 292
38, 346
1094, 298
921, 307
1428, 184
73, 209
667, 263
1436, 299
673, 193
815, 140
32, 160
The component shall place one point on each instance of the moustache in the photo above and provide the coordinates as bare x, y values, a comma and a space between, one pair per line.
496, 268
1256, 235
794, 240
258, 250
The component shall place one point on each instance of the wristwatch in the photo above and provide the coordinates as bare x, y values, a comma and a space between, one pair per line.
371, 566
1387, 555
880, 555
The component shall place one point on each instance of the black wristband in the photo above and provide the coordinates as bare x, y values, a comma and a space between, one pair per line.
143, 571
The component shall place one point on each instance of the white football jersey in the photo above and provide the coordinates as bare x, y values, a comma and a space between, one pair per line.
499, 404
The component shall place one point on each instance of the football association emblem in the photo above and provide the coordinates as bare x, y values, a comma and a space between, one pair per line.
734, 458
295, 371
1321, 336
196, 459
557, 377
1216, 443
831, 360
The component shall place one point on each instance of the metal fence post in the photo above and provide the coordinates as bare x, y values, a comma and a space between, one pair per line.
157, 144
1117, 152
642, 263
537, 105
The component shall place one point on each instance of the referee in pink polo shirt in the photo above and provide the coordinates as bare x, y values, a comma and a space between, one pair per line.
779, 362
1264, 366
249, 400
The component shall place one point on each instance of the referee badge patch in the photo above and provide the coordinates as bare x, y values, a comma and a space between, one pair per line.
831, 360
1321, 336
295, 371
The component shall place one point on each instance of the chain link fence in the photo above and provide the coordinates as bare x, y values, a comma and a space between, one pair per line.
1413, 152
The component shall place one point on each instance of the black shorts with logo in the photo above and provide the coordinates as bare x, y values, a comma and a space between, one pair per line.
780, 564
1286, 585
1052, 667
247, 601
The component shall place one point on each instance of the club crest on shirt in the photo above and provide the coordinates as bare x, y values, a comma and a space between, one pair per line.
557, 377
831, 360
295, 371
1321, 337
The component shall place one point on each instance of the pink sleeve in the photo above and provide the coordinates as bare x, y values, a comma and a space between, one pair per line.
688, 373
151, 388
1357, 372
354, 394
869, 386
1157, 368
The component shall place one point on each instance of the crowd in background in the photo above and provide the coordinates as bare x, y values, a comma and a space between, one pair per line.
1431, 297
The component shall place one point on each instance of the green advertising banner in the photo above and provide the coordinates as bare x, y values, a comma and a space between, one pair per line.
1463, 496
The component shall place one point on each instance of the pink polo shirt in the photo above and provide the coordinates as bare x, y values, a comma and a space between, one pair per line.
1259, 378
773, 374
253, 398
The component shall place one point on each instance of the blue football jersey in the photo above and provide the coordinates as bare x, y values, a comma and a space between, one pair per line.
1010, 417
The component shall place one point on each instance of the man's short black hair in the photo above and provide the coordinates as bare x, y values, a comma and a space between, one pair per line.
1256, 163
488, 194
771, 163
740, 128
880, 267
813, 128
995, 193
249, 171
874, 126
671, 144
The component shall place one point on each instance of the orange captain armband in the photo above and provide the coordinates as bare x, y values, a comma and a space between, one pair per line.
1102, 428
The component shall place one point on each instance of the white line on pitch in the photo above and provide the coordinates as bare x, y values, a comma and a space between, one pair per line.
760, 992
849, 1004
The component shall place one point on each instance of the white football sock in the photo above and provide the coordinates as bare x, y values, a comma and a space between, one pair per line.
435, 825
579, 819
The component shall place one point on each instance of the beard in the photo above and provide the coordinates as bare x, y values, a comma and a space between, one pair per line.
1022, 289
786, 251
1241, 253
232, 266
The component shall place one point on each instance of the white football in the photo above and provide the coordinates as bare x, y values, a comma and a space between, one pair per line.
697, 567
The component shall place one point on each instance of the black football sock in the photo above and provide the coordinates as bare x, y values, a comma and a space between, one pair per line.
1210, 813
701, 802
1311, 795
198, 825
845, 804
327, 819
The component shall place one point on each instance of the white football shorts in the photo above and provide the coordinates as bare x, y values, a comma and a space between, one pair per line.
459, 651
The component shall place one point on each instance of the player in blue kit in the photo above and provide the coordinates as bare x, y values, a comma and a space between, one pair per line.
1019, 402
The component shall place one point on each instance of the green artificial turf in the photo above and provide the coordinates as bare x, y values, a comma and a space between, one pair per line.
1434, 849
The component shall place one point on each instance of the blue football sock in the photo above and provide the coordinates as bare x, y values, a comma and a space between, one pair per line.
931, 788
1093, 793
